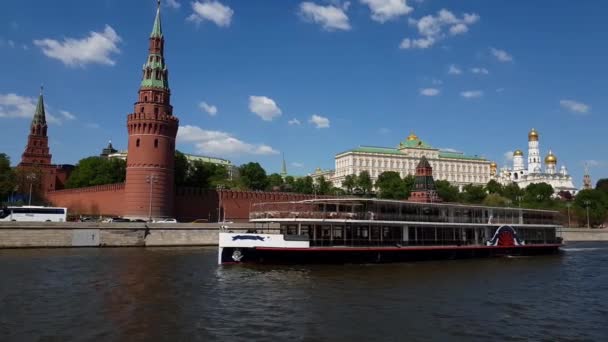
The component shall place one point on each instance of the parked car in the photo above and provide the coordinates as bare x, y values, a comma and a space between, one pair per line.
119, 219
166, 220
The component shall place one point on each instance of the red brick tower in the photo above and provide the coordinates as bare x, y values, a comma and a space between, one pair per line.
424, 185
149, 189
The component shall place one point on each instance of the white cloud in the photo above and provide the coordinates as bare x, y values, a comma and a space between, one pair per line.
207, 108
67, 115
329, 17
213, 11
220, 143
11, 43
384, 10
319, 121
501, 55
454, 70
508, 156
575, 106
173, 4
459, 29
481, 71
294, 121
264, 107
16, 106
298, 165
431, 28
429, 91
96, 48
471, 94
420, 43
449, 149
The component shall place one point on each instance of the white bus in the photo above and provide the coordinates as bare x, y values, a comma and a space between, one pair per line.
33, 214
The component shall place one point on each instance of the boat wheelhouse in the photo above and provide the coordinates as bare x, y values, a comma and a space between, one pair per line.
354, 230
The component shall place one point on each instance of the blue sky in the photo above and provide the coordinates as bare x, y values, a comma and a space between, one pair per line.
473, 76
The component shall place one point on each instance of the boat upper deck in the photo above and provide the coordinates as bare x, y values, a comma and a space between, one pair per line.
369, 209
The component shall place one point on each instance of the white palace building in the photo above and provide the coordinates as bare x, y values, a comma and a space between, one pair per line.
560, 180
455, 167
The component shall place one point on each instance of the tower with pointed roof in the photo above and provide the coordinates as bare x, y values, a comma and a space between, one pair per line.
152, 128
37, 151
424, 185
587, 179
283, 168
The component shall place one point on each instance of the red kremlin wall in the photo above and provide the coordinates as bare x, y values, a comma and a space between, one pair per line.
106, 200
190, 203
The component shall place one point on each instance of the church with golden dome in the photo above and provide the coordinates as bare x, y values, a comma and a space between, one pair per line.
524, 175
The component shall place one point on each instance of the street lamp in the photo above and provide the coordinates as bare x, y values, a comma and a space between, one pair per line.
30, 177
587, 204
568, 205
219, 189
151, 179
519, 199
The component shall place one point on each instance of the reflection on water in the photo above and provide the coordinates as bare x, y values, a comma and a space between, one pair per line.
181, 294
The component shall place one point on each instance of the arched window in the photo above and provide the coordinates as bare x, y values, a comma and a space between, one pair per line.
155, 110
145, 99
155, 143
137, 143
141, 110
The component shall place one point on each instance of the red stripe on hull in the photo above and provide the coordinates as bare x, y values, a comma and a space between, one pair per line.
386, 249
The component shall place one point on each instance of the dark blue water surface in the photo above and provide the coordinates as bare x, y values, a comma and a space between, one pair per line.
180, 294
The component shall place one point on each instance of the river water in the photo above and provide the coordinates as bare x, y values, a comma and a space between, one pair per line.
180, 294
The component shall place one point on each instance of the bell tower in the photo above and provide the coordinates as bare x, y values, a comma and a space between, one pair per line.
152, 128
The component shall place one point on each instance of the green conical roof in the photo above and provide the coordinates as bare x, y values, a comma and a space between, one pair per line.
284, 167
39, 115
157, 30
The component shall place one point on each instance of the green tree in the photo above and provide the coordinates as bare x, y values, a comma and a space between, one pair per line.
493, 187
474, 194
181, 169
597, 201
290, 183
97, 171
602, 185
253, 176
391, 186
206, 175
275, 182
538, 195
323, 186
495, 200
446, 191
364, 182
8, 179
349, 183
304, 185
512, 192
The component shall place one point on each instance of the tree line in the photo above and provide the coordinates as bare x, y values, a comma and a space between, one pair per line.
389, 185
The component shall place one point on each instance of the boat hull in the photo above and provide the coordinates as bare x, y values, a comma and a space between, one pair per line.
353, 255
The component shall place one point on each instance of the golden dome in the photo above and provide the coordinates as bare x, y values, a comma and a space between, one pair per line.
412, 137
518, 153
493, 165
550, 158
533, 135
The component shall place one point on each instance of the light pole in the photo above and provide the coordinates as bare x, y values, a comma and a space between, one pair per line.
151, 179
519, 198
587, 204
30, 177
219, 189
568, 205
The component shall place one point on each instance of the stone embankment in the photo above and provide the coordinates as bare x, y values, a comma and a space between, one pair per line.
22, 234
37, 235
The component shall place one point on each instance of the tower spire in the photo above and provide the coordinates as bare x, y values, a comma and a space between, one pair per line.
284, 168
157, 30
39, 114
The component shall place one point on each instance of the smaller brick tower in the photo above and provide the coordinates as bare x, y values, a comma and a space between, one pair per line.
149, 188
36, 158
424, 185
